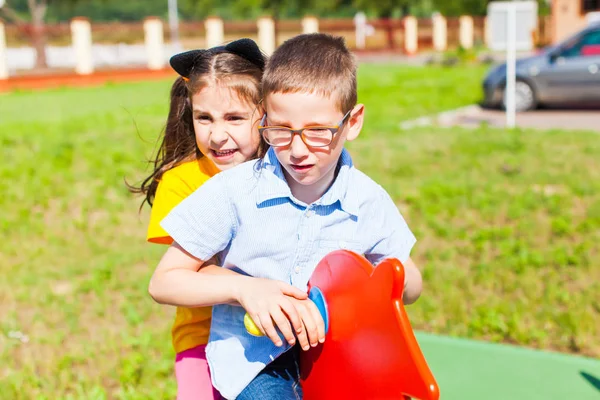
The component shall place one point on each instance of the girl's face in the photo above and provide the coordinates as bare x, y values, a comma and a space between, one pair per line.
225, 126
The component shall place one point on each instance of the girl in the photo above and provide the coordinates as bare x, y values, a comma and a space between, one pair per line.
211, 127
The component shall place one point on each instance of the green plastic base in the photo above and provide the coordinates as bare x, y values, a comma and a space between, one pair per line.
472, 370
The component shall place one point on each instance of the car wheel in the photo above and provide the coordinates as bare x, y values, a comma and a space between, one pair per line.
524, 97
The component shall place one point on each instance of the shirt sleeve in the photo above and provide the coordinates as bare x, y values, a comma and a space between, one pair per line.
171, 190
392, 237
203, 223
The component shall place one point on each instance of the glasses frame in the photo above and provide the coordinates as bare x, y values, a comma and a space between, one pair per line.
334, 129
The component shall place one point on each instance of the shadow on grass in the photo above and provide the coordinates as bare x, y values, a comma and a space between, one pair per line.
595, 382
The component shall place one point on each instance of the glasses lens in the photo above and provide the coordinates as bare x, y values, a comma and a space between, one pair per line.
317, 137
277, 136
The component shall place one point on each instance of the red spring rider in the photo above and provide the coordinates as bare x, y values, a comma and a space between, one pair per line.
370, 350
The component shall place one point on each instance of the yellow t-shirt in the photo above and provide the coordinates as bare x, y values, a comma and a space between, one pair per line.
192, 325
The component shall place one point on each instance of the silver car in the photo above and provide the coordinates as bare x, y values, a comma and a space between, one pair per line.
565, 74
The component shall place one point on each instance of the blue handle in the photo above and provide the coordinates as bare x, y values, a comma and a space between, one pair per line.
317, 297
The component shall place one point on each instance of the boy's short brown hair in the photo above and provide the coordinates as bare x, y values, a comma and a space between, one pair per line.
313, 63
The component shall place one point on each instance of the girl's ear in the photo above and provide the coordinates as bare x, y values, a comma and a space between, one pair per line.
355, 122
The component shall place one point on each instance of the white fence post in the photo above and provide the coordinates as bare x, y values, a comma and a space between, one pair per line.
3, 57
266, 34
411, 35
440, 33
81, 32
466, 32
310, 24
215, 35
154, 40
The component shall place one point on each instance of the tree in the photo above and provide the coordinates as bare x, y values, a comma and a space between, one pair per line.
35, 27
475, 7
254, 8
464, 7
277, 9
37, 10
384, 8
36, 31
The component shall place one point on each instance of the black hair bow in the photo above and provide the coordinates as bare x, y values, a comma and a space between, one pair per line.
183, 63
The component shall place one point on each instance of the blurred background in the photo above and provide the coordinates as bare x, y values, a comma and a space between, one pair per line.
116, 27
507, 219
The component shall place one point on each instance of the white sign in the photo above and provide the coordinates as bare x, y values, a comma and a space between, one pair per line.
526, 24
511, 27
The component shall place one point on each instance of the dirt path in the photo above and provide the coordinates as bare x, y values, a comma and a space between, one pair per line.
475, 116
70, 79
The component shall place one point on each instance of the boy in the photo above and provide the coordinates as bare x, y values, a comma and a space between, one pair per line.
275, 219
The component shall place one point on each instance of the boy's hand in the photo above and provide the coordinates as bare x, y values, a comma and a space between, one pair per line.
267, 302
312, 331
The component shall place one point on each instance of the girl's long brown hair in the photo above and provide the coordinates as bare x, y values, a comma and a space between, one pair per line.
178, 143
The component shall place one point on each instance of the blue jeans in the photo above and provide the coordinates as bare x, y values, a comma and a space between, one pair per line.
280, 380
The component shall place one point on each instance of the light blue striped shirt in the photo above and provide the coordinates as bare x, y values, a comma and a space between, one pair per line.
249, 218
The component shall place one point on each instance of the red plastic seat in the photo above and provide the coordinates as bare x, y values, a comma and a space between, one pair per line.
370, 351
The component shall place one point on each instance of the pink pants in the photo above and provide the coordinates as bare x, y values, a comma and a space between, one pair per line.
193, 376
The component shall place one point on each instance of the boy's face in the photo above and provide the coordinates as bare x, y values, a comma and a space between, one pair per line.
310, 170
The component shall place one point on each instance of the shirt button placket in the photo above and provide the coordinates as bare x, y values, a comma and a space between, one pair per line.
303, 244
302, 237
309, 233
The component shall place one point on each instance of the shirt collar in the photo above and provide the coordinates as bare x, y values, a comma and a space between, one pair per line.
272, 183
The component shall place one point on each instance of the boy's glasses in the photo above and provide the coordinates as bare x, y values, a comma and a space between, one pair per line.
313, 136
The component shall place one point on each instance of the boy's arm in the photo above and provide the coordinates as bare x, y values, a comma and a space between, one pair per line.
413, 282
182, 280
201, 226
197, 237
393, 239
176, 281
172, 190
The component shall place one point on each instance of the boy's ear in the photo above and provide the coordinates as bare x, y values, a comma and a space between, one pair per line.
355, 122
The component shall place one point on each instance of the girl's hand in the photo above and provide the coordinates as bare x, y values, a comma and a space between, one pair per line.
313, 329
270, 303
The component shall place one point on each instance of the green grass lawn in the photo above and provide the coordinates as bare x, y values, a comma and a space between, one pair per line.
508, 226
